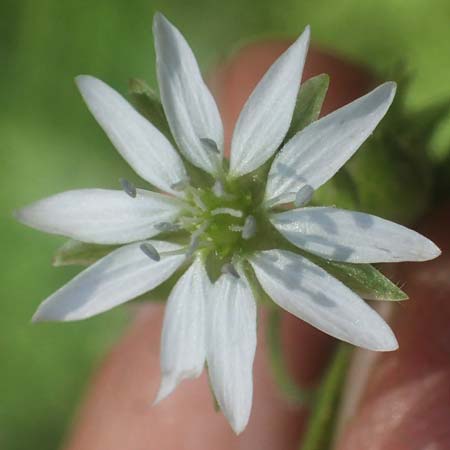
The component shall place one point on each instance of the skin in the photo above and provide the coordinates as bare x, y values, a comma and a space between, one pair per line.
406, 404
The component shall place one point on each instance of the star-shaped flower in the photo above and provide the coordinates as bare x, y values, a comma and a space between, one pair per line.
234, 223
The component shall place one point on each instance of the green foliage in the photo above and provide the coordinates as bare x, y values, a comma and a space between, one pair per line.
79, 253
50, 143
393, 174
148, 104
309, 103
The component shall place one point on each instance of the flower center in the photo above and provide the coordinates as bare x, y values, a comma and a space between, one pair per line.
221, 220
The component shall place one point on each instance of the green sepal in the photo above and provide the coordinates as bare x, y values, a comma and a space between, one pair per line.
364, 279
147, 102
76, 253
309, 103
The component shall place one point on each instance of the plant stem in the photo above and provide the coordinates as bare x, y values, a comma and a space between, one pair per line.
280, 372
323, 418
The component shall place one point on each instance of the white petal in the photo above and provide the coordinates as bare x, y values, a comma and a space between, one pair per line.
101, 216
310, 293
351, 236
316, 153
189, 106
267, 114
142, 145
183, 341
231, 348
118, 277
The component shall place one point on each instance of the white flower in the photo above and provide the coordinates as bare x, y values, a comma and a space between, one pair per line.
229, 223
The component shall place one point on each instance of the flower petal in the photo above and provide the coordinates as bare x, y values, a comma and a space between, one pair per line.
311, 294
142, 145
267, 114
189, 106
354, 237
101, 216
118, 277
183, 341
231, 348
317, 152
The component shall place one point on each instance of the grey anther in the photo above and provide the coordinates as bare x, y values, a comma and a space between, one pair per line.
150, 251
180, 185
229, 269
249, 229
303, 195
210, 144
128, 187
166, 226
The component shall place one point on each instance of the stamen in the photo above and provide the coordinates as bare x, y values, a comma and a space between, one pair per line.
150, 251
229, 269
180, 185
218, 189
195, 239
229, 211
210, 144
236, 228
167, 226
249, 228
200, 230
186, 222
128, 187
193, 246
198, 201
303, 195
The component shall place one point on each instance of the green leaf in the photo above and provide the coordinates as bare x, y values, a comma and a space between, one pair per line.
309, 103
79, 253
364, 279
147, 102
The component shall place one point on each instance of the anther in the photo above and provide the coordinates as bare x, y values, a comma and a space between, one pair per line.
249, 228
166, 227
128, 187
229, 269
180, 185
303, 195
150, 251
210, 144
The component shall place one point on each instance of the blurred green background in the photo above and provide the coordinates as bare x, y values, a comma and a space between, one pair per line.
50, 143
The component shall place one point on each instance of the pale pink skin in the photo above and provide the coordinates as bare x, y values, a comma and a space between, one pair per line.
407, 405
407, 402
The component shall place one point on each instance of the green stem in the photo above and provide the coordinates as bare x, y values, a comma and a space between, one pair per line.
323, 418
278, 364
